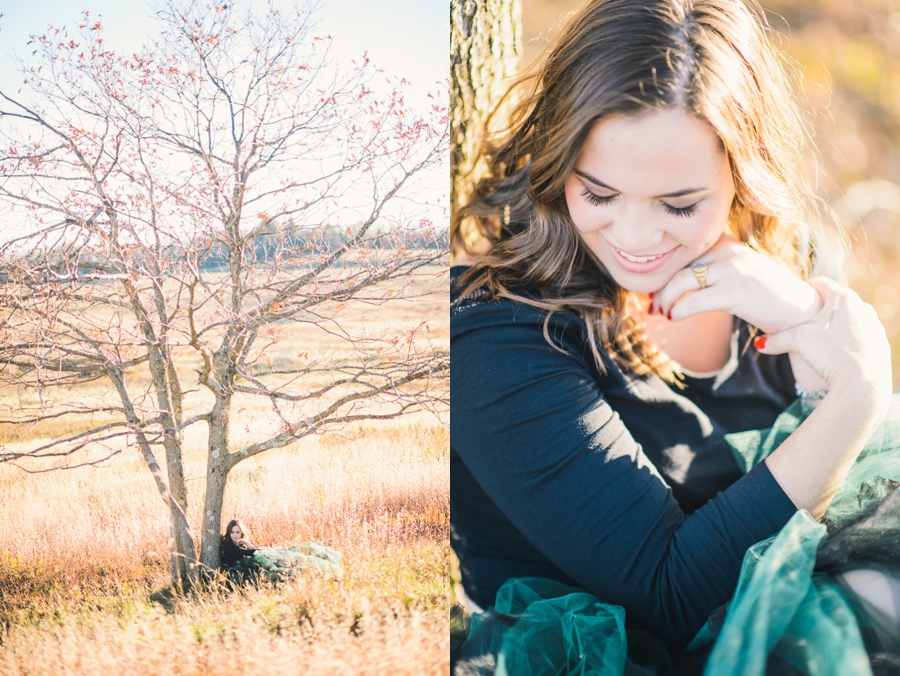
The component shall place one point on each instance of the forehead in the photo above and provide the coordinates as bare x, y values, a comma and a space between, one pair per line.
654, 153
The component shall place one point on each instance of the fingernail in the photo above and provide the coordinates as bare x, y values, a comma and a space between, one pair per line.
650, 308
669, 315
759, 342
651, 295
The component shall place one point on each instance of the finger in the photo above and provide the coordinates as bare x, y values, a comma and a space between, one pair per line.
777, 343
827, 282
705, 300
725, 249
682, 282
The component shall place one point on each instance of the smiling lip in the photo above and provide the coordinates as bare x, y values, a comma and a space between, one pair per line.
640, 266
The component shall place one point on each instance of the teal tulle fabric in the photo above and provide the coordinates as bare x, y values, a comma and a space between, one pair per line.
277, 564
793, 612
872, 478
561, 626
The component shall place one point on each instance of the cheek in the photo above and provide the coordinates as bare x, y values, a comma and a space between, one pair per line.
571, 200
579, 210
710, 232
713, 225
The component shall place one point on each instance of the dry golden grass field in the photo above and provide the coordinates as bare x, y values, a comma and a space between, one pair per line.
84, 568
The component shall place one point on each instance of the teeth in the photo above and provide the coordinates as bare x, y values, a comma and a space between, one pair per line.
637, 259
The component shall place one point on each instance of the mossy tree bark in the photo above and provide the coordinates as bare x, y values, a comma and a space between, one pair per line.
485, 47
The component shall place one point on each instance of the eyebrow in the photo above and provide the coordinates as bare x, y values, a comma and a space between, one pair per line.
677, 193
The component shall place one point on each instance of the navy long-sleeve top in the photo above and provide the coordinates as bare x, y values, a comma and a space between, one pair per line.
230, 553
616, 483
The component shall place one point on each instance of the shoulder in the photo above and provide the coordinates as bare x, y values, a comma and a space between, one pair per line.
503, 346
481, 298
479, 313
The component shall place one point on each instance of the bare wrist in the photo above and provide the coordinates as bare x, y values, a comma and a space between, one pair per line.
862, 400
805, 377
809, 399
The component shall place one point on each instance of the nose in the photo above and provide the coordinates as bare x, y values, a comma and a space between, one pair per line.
635, 231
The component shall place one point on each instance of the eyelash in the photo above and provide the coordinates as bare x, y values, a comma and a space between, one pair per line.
599, 200
683, 212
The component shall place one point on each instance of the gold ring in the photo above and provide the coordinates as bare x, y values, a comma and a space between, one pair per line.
699, 270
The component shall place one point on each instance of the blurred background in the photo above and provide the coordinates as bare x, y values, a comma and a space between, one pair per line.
848, 53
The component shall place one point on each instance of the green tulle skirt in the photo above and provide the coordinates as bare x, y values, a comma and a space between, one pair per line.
792, 613
277, 564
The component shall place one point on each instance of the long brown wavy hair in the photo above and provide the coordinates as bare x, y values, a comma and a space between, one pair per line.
713, 58
245, 532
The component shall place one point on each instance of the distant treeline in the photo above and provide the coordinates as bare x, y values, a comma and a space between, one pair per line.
297, 241
69, 262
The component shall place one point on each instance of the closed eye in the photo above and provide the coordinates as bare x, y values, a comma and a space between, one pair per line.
596, 199
683, 211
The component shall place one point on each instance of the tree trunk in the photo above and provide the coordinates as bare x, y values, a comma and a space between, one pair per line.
218, 464
183, 560
485, 47
176, 550
184, 544
216, 477
182, 556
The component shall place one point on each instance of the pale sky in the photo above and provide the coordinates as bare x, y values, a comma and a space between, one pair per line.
406, 38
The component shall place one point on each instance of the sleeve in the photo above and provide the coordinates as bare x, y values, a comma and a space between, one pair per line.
225, 558
534, 429
230, 553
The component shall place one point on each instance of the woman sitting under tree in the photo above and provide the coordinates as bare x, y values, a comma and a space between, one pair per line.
242, 561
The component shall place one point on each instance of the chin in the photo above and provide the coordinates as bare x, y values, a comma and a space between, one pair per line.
647, 284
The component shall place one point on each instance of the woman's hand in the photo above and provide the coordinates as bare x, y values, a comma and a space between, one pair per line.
744, 283
844, 342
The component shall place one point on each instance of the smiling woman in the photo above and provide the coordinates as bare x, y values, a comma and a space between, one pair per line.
644, 218
672, 195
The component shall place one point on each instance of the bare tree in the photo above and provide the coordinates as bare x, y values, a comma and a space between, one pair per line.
179, 208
